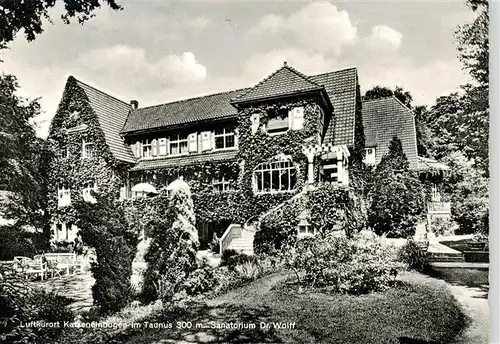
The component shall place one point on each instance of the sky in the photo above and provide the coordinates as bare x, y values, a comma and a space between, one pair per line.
159, 51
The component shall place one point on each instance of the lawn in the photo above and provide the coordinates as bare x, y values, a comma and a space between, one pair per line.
420, 310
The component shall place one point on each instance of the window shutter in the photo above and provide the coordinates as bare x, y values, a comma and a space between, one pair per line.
255, 120
162, 146
297, 118
206, 140
193, 142
154, 147
137, 149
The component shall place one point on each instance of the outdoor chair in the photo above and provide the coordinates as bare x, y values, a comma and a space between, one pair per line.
37, 268
21, 264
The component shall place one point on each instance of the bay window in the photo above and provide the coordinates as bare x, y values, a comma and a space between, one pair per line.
279, 176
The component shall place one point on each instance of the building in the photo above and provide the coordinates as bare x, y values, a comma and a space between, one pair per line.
257, 146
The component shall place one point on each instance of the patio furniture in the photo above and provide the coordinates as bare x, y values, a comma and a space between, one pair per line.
20, 263
36, 267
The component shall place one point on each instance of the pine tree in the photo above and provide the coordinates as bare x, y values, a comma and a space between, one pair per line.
396, 196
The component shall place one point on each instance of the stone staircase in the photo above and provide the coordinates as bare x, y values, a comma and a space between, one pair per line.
243, 243
438, 252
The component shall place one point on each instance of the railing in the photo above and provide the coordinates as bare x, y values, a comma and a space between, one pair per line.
232, 232
439, 207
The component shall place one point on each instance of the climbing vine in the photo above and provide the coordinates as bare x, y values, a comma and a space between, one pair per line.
74, 122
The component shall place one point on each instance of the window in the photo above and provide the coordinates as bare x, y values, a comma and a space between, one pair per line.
63, 195
222, 184
275, 177
146, 148
369, 156
305, 229
62, 153
224, 138
178, 144
278, 123
330, 171
88, 150
86, 192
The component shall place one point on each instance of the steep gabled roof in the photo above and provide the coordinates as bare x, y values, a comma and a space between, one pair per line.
341, 89
111, 114
385, 118
210, 107
285, 81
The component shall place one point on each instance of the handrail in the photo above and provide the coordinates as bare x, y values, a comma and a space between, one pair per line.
233, 231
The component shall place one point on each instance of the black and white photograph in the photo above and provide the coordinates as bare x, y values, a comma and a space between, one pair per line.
245, 172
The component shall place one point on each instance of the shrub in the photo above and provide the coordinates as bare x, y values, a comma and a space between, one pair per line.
440, 226
103, 226
171, 255
397, 197
15, 241
202, 280
340, 264
414, 256
231, 258
52, 308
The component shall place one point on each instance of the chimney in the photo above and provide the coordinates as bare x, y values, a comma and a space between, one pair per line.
134, 104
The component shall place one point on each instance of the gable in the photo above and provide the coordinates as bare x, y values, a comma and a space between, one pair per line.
111, 114
385, 118
285, 81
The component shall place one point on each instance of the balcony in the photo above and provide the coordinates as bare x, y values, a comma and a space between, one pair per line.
439, 207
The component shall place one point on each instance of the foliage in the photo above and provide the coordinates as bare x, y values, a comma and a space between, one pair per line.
473, 42
467, 190
382, 92
22, 156
355, 266
396, 196
202, 280
103, 226
28, 15
231, 258
17, 241
414, 256
20, 303
440, 226
171, 255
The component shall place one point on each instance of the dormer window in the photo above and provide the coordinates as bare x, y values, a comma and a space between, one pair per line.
88, 151
224, 138
285, 120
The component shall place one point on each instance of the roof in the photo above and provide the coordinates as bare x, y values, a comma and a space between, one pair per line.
210, 107
341, 87
285, 81
426, 164
111, 114
185, 160
385, 118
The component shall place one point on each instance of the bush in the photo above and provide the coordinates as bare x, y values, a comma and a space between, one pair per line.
103, 226
171, 255
440, 226
339, 264
231, 258
413, 256
202, 280
15, 241
53, 308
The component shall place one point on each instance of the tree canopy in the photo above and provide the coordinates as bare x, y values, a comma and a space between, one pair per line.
382, 92
28, 15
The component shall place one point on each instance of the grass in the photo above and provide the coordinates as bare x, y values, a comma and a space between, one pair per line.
472, 278
418, 311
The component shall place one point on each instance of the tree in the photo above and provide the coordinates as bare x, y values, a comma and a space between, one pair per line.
396, 196
28, 15
467, 190
382, 92
473, 42
22, 159
104, 227
171, 256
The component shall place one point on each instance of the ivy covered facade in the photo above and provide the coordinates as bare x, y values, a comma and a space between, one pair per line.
243, 152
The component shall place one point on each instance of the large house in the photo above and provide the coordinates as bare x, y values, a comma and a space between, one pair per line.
260, 145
